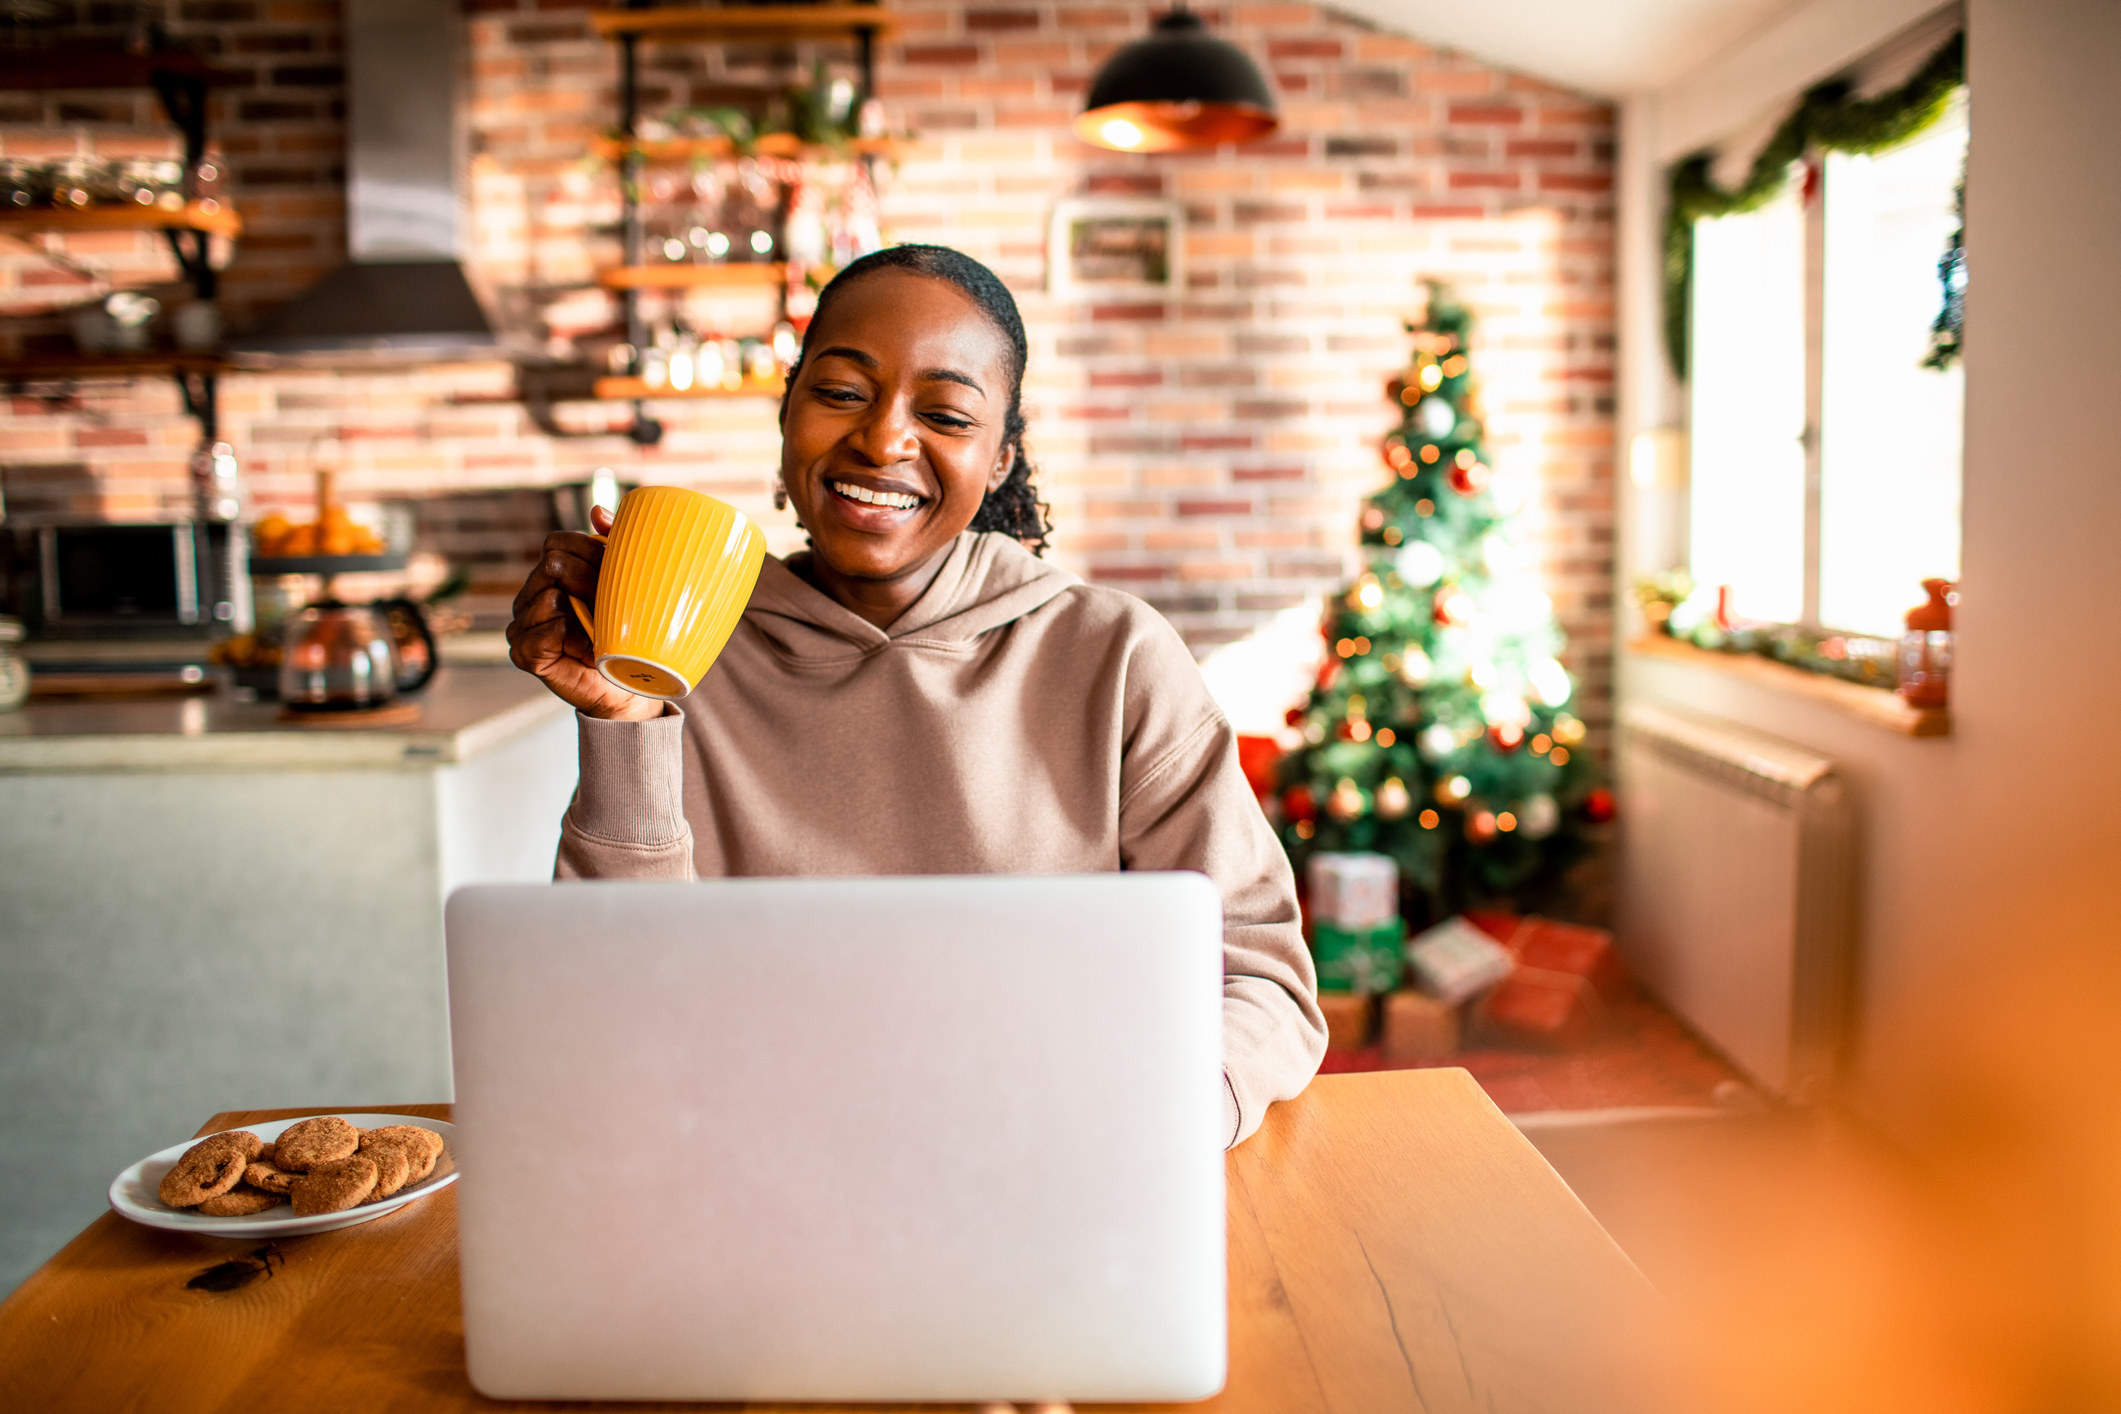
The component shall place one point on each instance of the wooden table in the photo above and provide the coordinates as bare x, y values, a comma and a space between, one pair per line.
1394, 1245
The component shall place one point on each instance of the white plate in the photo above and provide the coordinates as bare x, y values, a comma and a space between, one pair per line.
132, 1193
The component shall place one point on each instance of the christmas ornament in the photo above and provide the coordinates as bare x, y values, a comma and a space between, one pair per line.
1506, 737
1436, 741
1393, 799
1415, 667
1419, 564
1480, 826
1454, 608
1328, 674
1297, 803
1434, 417
1598, 805
1294, 716
1345, 803
1468, 479
1537, 816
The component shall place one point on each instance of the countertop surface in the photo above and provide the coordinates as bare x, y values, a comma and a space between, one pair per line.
467, 709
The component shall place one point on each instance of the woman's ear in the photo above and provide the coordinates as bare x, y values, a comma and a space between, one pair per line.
1003, 465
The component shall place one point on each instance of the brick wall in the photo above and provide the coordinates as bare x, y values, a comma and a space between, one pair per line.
1208, 454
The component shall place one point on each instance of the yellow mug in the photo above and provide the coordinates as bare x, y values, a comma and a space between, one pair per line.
679, 567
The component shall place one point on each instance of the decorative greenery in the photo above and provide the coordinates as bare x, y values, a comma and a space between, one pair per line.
1949, 332
1827, 119
1437, 731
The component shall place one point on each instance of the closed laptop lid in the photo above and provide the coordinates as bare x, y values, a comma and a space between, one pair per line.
854, 1139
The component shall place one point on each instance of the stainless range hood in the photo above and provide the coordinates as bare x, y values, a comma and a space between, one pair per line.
402, 295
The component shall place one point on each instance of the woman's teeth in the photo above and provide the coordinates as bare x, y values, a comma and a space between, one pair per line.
895, 500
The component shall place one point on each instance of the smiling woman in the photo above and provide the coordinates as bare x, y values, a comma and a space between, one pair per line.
919, 693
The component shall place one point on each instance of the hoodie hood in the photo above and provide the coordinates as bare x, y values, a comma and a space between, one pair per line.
987, 580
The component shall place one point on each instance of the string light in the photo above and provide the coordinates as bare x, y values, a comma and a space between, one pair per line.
1429, 819
1386, 736
1541, 743
1392, 535
1506, 821
1425, 508
1430, 453
1561, 756
1431, 376
1304, 829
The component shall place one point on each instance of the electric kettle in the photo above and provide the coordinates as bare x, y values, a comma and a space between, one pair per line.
347, 657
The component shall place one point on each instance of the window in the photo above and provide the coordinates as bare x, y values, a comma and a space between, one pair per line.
1827, 304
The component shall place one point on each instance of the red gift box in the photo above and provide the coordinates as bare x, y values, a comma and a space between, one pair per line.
1566, 976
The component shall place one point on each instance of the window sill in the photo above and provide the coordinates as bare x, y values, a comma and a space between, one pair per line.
1871, 704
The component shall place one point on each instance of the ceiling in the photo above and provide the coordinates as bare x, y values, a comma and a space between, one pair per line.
1603, 47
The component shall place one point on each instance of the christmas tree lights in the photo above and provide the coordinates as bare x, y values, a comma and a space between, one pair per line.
1438, 731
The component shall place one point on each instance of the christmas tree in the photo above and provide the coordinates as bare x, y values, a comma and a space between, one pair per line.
1438, 731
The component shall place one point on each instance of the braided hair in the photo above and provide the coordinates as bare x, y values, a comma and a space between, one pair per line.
1013, 508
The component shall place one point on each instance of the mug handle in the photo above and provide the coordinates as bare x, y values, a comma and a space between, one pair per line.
581, 610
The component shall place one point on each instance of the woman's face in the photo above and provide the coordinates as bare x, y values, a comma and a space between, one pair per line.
892, 434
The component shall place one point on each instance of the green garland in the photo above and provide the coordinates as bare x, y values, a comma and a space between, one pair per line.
1826, 120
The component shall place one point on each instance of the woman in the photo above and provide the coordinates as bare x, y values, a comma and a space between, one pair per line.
919, 693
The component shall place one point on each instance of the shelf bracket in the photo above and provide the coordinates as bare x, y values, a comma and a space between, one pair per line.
202, 399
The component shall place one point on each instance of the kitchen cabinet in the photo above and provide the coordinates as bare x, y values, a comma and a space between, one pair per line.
202, 906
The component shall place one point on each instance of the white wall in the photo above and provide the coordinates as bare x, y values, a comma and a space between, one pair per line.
2006, 837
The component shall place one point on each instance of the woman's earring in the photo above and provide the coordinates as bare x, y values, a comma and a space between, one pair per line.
780, 495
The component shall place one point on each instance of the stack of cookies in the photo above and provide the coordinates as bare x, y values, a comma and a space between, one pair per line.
322, 1165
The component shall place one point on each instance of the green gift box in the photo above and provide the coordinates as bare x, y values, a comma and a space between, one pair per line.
1364, 960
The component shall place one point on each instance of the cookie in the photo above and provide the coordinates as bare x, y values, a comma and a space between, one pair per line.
209, 1168
393, 1166
410, 1135
240, 1202
312, 1142
265, 1155
266, 1178
332, 1186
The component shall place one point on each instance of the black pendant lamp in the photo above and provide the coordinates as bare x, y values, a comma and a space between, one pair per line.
1179, 88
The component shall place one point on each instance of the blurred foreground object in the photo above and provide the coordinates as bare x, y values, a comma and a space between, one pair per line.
1926, 647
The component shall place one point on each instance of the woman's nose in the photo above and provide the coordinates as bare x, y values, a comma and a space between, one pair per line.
886, 435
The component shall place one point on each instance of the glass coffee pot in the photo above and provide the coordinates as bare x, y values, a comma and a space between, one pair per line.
352, 657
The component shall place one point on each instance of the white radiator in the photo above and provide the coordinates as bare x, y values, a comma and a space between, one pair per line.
1735, 891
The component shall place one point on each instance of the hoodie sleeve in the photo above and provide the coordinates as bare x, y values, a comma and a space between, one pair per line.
1185, 804
627, 819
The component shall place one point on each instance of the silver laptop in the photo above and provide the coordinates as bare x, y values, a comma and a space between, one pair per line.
841, 1139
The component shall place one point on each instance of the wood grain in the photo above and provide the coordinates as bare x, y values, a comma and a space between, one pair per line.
1394, 1244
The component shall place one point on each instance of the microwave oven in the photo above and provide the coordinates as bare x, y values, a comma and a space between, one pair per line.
80, 577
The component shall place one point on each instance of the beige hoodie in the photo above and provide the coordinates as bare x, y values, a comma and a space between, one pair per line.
1013, 720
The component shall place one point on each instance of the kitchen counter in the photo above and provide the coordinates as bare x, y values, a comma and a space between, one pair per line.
465, 711
201, 904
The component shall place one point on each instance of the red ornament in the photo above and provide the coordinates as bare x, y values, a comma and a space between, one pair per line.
1506, 737
1297, 803
1598, 806
1328, 674
1294, 716
1452, 607
1468, 480
1395, 453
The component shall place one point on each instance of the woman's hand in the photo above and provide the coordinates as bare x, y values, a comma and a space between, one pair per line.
546, 640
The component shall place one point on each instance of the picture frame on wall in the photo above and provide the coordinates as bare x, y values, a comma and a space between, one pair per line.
1116, 246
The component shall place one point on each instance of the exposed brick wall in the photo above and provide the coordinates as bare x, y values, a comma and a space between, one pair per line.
1208, 455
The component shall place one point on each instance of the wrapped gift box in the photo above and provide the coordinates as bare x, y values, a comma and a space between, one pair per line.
1565, 977
1365, 961
1419, 1027
1353, 890
1454, 960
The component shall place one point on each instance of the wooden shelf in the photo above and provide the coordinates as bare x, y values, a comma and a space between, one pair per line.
1876, 705
689, 149
693, 277
211, 217
782, 21
77, 65
630, 389
49, 368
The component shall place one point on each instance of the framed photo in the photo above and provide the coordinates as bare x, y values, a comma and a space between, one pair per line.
1102, 246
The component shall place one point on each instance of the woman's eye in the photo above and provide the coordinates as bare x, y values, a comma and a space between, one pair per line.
949, 420
838, 395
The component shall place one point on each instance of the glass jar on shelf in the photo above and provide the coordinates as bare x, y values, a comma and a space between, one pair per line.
1926, 648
